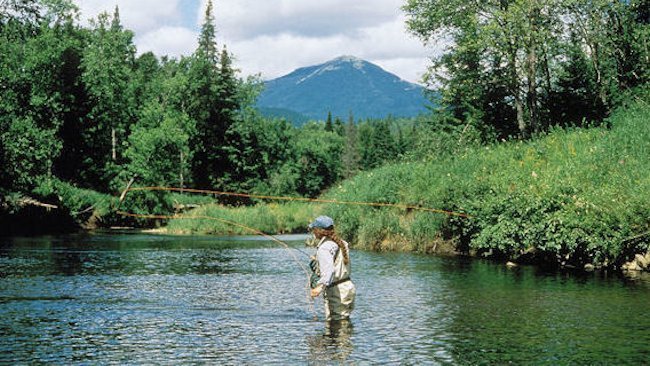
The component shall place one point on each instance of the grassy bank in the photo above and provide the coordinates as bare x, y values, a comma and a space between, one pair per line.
274, 218
569, 197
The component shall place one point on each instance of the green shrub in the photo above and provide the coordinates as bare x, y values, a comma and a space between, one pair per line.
274, 218
568, 197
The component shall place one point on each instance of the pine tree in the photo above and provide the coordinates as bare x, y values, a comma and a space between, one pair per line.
215, 100
339, 128
350, 158
383, 143
328, 123
204, 91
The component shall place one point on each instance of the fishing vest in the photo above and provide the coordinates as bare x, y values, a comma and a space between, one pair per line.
341, 270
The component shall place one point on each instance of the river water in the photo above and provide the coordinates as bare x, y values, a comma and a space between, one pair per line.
147, 299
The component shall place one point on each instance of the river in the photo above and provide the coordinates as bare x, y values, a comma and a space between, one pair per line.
151, 299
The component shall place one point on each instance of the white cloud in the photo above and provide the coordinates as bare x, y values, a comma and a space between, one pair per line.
274, 37
170, 41
385, 44
138, 16
240, 19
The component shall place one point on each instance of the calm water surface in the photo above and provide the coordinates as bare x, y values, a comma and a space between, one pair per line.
140, 299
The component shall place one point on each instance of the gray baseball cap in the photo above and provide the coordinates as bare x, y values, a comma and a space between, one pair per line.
322, 222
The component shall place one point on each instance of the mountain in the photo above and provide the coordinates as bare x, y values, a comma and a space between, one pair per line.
342, 86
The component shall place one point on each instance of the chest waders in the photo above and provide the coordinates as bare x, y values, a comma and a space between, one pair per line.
315, 269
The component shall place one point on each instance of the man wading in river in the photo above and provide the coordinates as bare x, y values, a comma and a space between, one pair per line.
332, 264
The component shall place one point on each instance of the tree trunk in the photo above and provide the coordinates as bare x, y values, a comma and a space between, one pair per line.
113, 144
521, 121
532, 71
514, 90
181, 175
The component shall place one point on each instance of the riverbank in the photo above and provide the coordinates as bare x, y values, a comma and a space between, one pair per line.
276, 218
570, 198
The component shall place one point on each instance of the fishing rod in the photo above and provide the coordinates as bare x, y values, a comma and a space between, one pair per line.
233, 223
286, 246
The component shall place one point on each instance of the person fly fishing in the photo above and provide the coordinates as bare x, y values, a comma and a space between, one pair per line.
331, 270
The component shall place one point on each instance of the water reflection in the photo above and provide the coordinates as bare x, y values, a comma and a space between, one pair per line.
334, 343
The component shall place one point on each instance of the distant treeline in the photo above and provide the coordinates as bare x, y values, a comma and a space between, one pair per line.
81, 112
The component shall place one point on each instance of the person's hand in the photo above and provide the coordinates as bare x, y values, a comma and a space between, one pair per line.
317, 290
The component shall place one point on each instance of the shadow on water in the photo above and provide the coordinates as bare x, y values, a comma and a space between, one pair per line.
527, 315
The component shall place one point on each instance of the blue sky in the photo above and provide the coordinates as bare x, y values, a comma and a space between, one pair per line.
273, 37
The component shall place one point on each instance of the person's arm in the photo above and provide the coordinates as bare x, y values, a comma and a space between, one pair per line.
325, 257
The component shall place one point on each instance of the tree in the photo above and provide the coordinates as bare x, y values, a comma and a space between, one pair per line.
213, 103
350, 159
383, 144
158, 151
507, 64
338, 127
108, 64
35, 93
329, 127
367, 155
318, 159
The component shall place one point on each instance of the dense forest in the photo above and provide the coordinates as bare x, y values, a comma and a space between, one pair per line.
82, 113
80, 110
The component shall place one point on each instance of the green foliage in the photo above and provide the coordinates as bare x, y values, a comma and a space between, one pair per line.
158, 151
28, 154
81, 203
79, 109
520, 67
570, 197
270, 218
107, 64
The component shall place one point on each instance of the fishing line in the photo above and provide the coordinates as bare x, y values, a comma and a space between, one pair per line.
300, 199
286, 246
266, 197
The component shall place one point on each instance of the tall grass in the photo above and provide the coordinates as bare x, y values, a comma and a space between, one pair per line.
568, 197
571, 196
271, 218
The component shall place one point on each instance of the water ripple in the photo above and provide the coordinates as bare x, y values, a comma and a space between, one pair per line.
116, 301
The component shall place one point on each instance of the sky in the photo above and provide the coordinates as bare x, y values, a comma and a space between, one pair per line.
271, 38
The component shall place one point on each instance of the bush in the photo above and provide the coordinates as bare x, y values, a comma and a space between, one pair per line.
274, 218
569, 197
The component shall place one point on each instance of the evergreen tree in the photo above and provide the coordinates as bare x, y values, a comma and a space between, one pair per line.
383, 144
350, 158
339, 128
214, 100
329, 127
367, 155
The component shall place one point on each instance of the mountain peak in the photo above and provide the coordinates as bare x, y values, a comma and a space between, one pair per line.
344, 85
347, 58
332, 65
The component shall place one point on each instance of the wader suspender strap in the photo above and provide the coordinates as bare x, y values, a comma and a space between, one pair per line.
343, 279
